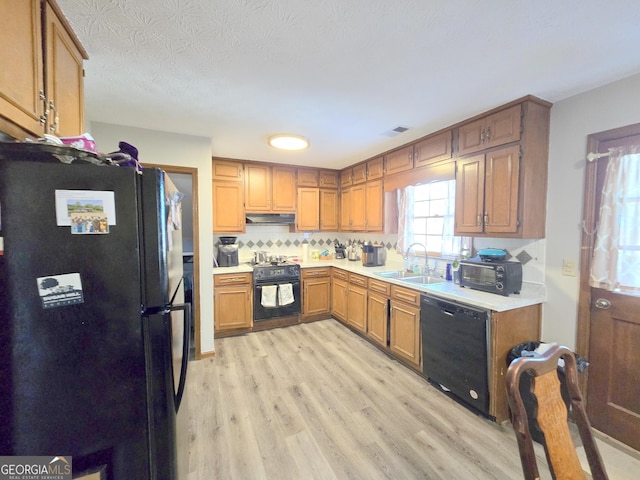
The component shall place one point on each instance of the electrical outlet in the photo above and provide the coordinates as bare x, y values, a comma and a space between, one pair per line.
569, 267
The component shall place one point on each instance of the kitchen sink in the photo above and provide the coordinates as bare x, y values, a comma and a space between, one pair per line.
400, 274
423, 280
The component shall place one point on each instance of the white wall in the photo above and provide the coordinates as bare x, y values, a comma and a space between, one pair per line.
572, 120
185, 151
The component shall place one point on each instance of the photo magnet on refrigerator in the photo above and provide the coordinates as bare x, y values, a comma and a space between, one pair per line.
60, 290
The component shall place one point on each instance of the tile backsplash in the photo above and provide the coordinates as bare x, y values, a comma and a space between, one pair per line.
278, 240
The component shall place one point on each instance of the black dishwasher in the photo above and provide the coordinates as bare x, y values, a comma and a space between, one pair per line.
455, 350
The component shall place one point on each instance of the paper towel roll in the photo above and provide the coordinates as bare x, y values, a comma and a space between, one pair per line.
305, 252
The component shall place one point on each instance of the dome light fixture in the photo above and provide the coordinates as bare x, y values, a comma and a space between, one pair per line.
288, 141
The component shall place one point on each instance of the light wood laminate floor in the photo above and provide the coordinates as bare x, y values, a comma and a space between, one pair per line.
316, 401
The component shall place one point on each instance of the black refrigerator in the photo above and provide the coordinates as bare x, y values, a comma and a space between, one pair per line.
93, 329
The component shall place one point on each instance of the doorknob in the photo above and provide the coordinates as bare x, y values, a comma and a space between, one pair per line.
602, 303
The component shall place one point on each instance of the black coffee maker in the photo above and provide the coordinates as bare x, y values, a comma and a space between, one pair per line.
228, 252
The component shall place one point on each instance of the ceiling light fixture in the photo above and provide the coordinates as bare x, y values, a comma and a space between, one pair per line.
288, 141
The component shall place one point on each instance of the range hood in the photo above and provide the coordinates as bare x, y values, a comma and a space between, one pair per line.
270, 218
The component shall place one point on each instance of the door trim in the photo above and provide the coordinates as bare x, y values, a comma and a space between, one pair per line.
196, 245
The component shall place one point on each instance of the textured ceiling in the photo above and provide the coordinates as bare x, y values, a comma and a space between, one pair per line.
341, 72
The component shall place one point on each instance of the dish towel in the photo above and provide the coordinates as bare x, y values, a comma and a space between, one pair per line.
269, 295
285, 294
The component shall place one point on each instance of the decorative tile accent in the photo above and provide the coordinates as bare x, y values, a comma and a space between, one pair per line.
296, 243
313, 241
269, 243
250, 244
278, 243
240, 244
389, 246
523, 257
287, 243
320, 242
260, 244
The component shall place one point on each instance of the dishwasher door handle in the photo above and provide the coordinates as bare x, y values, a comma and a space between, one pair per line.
447, 312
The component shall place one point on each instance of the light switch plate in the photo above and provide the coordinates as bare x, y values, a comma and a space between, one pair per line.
569, 267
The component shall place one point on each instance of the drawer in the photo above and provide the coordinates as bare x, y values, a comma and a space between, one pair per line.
232, 279
356, 279
379, 286
405, 295
341, 274
315, 272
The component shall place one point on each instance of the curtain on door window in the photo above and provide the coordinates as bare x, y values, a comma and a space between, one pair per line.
616, 257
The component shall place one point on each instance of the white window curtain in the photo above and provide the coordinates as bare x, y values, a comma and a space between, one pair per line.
616, 258
406, 199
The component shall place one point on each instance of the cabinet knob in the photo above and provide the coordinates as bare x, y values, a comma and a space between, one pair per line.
486, 219
479, 220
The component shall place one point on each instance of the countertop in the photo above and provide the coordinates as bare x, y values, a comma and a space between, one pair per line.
531, 294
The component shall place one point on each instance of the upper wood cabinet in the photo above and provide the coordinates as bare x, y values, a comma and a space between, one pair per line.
502, 191
399, 160
269, 189
329, 216
329, 179
345, 210
358, 208
308, 215
491, 131
487, 192
375, 168
359, 174
30, 107
374, 206
346, 177
433, 149
227, 170
227, 197
307, 177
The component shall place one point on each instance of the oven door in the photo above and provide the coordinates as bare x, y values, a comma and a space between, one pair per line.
269, 309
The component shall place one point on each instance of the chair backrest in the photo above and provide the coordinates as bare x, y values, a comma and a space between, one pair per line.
552, 416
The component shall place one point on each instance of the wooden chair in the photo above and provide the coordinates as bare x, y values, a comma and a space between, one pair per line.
552, 417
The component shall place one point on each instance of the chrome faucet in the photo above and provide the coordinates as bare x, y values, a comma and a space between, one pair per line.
427, 271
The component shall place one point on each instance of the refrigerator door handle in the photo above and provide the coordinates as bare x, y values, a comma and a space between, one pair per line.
185, 350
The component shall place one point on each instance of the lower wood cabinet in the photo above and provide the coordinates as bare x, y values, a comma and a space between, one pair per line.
316, 292
232, 301
378, 317
404, 324
357, 307
339, 290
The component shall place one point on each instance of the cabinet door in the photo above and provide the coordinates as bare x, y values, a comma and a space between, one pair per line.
232, 307
503, 127
358, 208
378, 317
399, 161
471, 137
21, 80
357, 308
345, 210
433, 149
308, 217
359, 174
491, 131
346, 177
65, 80
375, 168
228, 212
307, 177
469, 195
283, 190
328, 179
502, 172
339, 290
226, 170
257, 191
405, 331
316, 296
328, 210
374, 204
